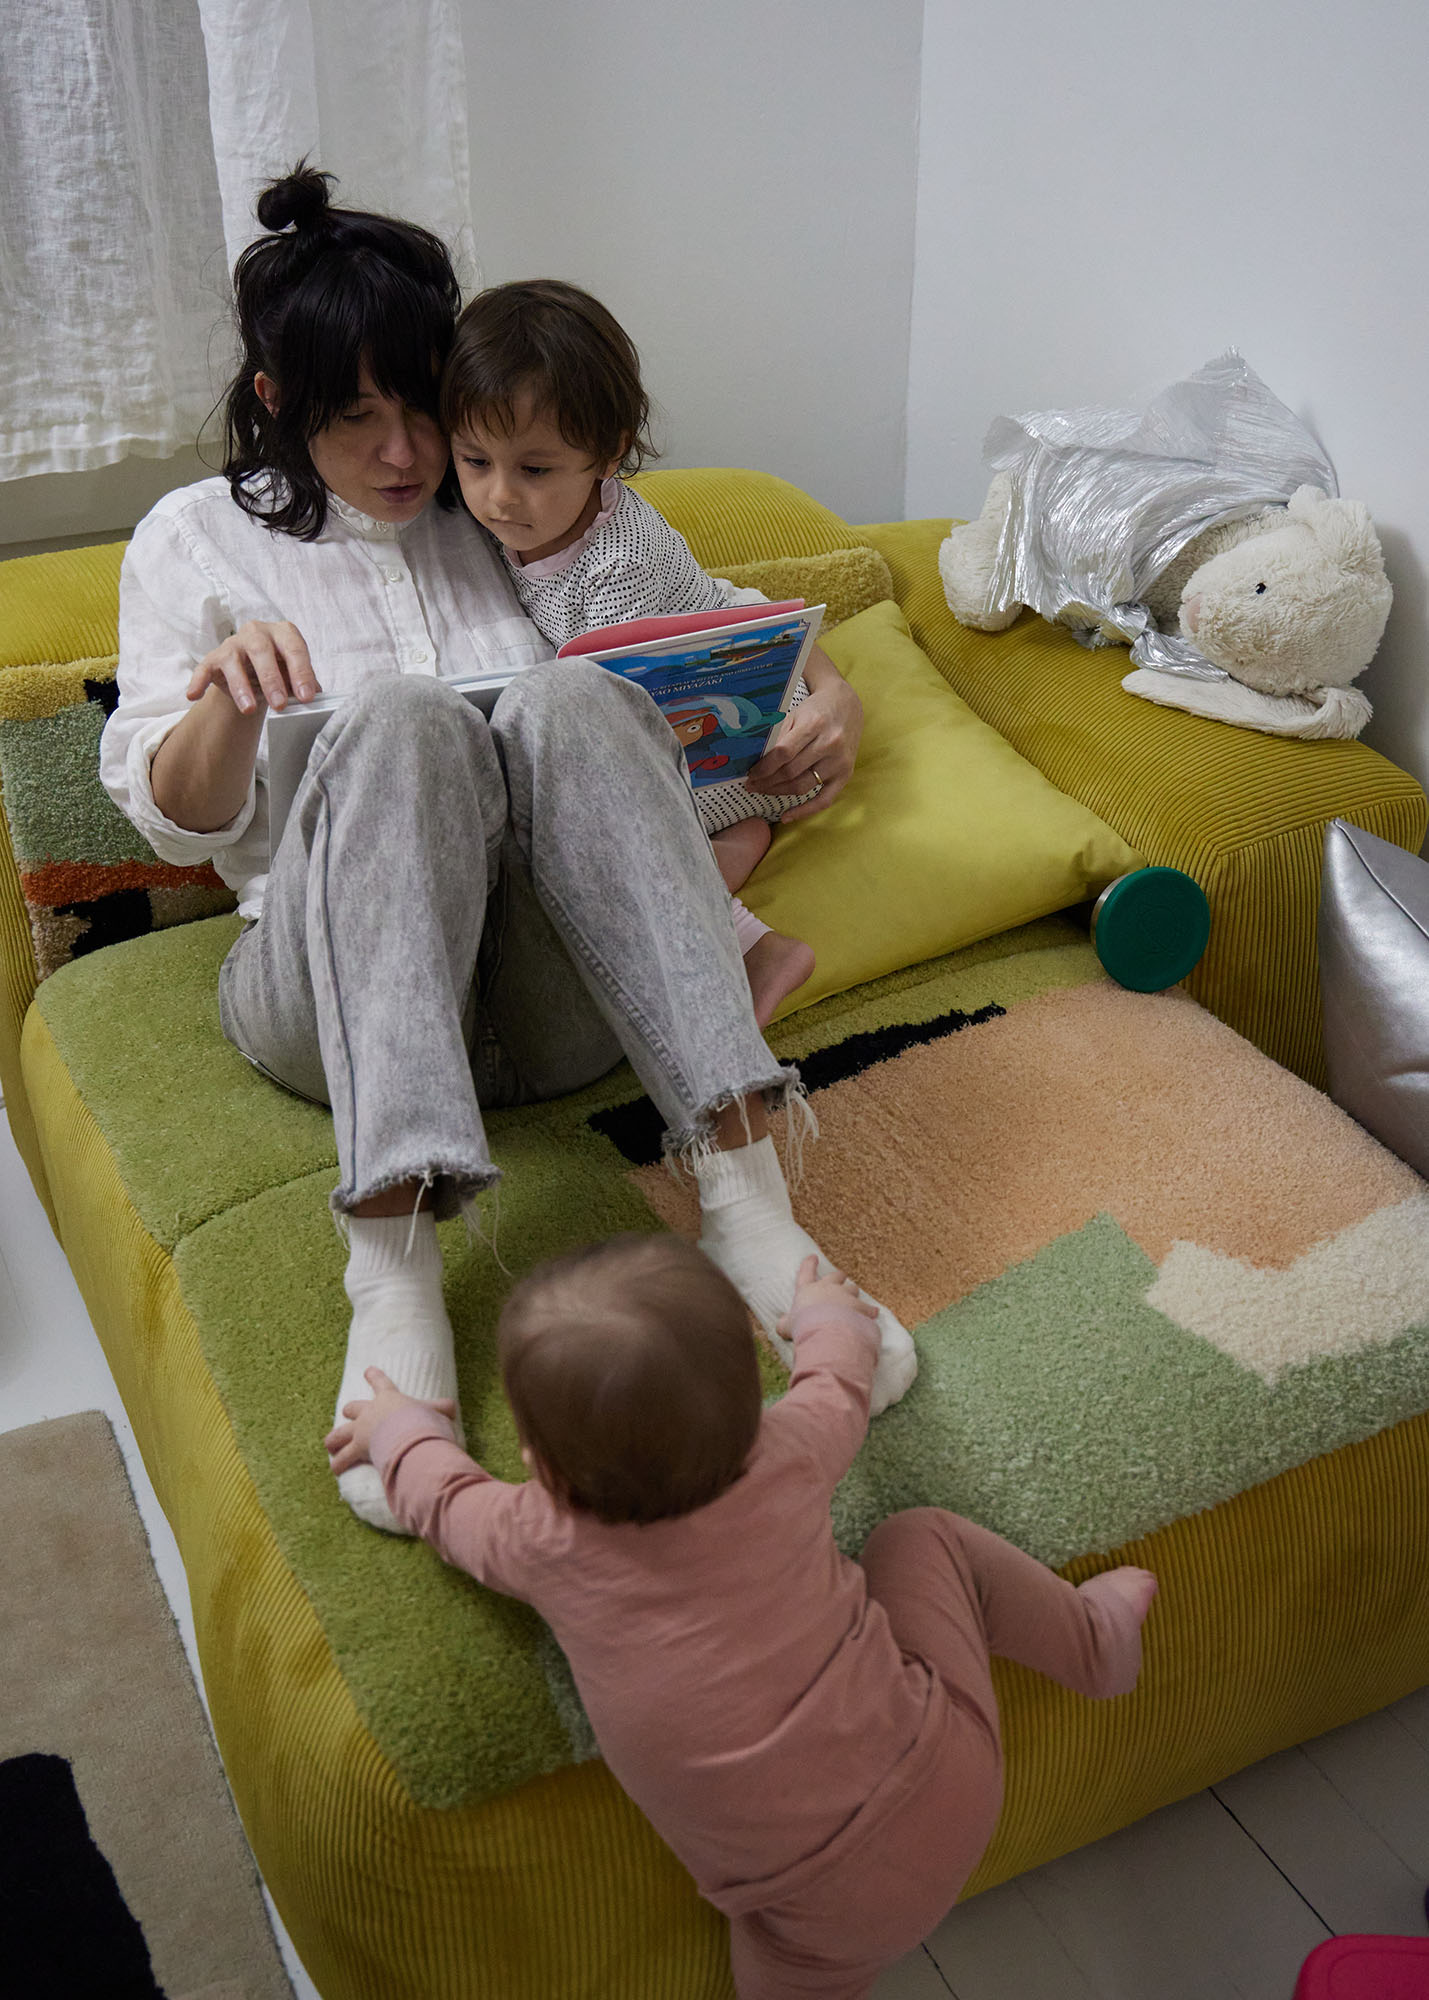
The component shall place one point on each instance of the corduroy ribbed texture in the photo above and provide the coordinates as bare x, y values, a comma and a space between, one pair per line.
1296, 1607
1287, 1611
732, 516
62, 606
1242, 812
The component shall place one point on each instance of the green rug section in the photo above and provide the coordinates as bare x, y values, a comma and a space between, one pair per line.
457, 1684
462, 1689
193, 1127
1055, 1406
54, 805
1043, 957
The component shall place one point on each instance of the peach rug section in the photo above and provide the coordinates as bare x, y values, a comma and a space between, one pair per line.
938, 1170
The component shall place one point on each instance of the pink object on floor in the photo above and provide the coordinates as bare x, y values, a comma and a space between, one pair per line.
1366, 1968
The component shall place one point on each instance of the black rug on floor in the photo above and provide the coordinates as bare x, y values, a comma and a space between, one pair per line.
65, 1930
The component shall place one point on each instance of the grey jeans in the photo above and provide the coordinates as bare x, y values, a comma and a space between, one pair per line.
463, 913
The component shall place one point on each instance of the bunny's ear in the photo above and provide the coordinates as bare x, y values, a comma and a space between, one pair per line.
1304, 501
1345, 533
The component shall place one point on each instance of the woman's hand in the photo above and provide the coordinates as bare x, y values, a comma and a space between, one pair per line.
817, 745
262, 664
201, 771
350, 1444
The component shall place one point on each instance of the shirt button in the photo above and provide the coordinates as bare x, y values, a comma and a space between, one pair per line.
393, 575
421, 653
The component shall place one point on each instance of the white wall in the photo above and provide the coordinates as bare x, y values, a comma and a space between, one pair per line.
1110, 194
78, 507
736, 182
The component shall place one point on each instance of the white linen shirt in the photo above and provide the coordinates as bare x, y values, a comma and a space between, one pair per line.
369, 597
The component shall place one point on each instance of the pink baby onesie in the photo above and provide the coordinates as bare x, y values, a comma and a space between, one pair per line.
829, 1785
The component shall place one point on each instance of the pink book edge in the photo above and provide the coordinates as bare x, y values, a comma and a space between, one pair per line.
673, 625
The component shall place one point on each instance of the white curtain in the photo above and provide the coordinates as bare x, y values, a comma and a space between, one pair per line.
372, 90
133, 137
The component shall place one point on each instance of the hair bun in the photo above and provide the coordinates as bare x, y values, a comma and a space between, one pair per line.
300, 198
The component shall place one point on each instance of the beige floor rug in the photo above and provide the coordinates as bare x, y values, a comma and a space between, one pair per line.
94, 1674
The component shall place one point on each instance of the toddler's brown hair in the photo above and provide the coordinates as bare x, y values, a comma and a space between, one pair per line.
630, 1369
549, 340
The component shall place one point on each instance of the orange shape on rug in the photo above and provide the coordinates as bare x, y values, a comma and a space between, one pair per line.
940, 1169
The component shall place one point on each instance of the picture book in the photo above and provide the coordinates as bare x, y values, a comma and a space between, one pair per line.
723, 679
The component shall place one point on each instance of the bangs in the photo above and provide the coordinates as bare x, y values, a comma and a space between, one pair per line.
356, 310
495, 411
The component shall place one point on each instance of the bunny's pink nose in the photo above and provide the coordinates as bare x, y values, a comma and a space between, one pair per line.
1191, 614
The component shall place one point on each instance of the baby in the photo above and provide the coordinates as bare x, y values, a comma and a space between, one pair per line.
543, 398
815, 1738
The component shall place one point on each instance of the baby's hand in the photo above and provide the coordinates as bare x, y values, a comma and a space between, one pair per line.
350, 1444
833, 1289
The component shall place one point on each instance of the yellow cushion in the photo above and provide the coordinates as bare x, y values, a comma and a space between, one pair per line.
845, 581
60, 606
732, 516
943, 836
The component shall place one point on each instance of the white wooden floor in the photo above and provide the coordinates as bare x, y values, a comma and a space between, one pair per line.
1218, 1898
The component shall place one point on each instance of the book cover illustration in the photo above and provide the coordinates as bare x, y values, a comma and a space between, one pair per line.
725, 697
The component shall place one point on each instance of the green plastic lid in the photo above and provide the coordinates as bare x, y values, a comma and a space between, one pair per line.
1150, 928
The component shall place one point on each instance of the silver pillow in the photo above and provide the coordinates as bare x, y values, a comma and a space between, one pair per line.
1374, 980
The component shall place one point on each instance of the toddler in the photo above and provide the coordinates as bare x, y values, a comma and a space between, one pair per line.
816, 1738
544, 403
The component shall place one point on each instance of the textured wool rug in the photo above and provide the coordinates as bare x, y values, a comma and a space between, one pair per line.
123, 1869
1145, 1271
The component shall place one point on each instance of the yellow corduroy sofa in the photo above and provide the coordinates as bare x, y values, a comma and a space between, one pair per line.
559, 1888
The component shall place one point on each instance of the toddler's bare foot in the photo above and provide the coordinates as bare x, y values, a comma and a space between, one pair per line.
774, 966
739, 849
1120, 1600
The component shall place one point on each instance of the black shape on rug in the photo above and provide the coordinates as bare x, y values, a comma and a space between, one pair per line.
65, 1931
106, 693
636, 1128
125, 913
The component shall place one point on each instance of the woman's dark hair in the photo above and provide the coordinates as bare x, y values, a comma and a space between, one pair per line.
556, 343
631, 1372
325, 292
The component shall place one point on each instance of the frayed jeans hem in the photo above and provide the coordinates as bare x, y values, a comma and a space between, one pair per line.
687, 1148
454, 1188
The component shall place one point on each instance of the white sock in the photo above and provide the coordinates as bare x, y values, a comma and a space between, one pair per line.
748, 1229
400, 1325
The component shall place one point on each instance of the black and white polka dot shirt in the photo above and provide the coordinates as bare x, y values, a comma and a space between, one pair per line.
635, 565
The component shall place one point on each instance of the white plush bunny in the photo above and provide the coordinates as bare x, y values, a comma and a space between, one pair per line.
1290, 603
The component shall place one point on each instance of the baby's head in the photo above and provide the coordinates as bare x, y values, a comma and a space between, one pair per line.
543, 400
631, 1372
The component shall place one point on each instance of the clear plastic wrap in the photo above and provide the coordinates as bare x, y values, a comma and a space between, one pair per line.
1103, 501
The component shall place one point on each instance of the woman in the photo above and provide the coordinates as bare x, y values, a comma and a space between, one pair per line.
458, 913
